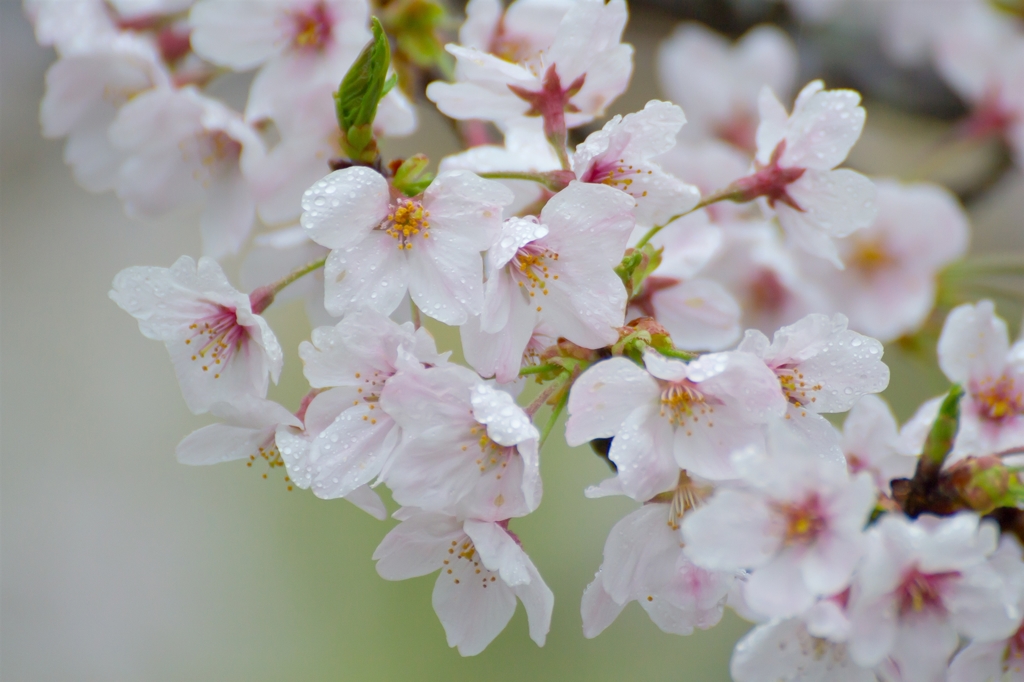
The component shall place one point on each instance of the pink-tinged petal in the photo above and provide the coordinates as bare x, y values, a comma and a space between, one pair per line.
604, 396
417, 546
637, 136
640, 543
777, 588
467, 101
873, 629
707, 445
608, 77
981, 662
836, 202
539, 602
588, 28
339, 210
598, 608
446, 278
420, 399
500, 493
499, 354
590, 222
734, 530
643, 454
773, 124
225, 34
499, 552
817, 436
823, 129
294, 445
369, 501
699, 314
742, 381
352, 451
783, 650
228, 215
664, 368
515, 234
372, 274
506, 422
472, 609
463, 203
923, 647
974, 343
222, 443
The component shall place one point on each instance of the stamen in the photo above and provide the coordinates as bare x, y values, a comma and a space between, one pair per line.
406, 219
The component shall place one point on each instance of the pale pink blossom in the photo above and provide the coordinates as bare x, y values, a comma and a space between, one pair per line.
385, 244
889, 285
71, 27
673, 415
466, 446
519, 33
783, 650
762, 276
871, 443
621, 155
294, 444
184, 148
794, 517
84, 92
974, 350
644, 562
822, 367
585, 68
557, 270
246, 432
796, 155
355, 359
923, 584
710, 164
297, 44
697, 311
222, 349
483, 570
1002, 660
717, 83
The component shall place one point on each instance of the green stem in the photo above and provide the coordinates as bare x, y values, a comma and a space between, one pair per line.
538, 369
280, 284
676, 353
723, 195
553, 418
553, 180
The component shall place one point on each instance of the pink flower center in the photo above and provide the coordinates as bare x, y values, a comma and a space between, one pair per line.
998, 399
683, 404
869, 256
805, 520
312, 28
771, 181
795, 386
766, 292
989, 117
740, 131
919, 591
407, 219
617, 174
530, 268
218, 336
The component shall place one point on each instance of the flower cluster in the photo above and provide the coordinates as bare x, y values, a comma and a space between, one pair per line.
696, 290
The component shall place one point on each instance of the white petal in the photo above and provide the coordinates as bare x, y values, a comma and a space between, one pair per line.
604, 396
417, 546
339, 210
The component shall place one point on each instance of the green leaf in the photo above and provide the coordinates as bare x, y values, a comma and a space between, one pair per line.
412, 176
359, 93
943, 431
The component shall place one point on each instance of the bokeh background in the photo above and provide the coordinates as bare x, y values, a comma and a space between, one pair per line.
117, 563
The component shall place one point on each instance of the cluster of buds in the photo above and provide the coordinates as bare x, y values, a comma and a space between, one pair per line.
696, 291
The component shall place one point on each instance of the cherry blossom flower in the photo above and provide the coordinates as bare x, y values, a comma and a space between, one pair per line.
922, 584
822, 367
184, 148
71, 27
483, 571
247, 432
871, 443
518, 33
297, 44
673, 415
974, 350
644, 562
585, 68
556, 270
794, 517
717, 83
293, 444
355, 360
84, 92
221, 348
889, 285
466, 446
709, 165
1002, 659
796, 155
783, 650
762, 276
698, 312
621, 153
382, 246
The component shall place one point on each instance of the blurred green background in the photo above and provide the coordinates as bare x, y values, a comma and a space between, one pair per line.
116, 563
